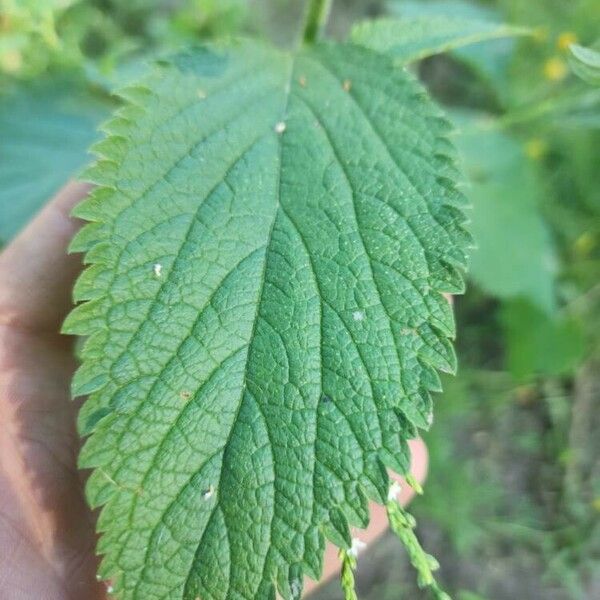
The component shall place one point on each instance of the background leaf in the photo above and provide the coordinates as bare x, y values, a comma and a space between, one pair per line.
412, 38
45, 129
489, 59
514, 255
538, 343
586, 63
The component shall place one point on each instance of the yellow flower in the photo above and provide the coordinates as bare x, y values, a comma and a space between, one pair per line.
565, 39
555, 69
535, 148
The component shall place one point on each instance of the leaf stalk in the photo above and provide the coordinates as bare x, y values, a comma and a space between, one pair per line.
317, 15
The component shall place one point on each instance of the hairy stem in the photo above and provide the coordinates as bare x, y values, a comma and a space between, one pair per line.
347, 575
403, 524
316, 19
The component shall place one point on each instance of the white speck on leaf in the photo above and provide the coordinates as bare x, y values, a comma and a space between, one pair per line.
296, 588
110, 589
394, 490
358, 315
357, 547
157, 270
280, 127
430, 419
208, 494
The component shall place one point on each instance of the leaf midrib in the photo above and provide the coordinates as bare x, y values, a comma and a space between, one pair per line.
283, 115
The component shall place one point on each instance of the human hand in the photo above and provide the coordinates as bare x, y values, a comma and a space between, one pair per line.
46, 530
47, 534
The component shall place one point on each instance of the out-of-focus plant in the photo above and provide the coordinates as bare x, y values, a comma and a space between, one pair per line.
586, 63
60, 61
28, 34
528, 147
528, 125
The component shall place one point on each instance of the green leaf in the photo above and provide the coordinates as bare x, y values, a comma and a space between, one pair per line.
488, 59
45, 130
539, 344
268, 243
585, 62
408, 39
514, 255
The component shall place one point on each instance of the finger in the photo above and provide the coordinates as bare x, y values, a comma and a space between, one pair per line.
379, 521
36, 273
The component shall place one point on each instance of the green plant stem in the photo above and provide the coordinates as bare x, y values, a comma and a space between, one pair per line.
403, 524
347, 575
316, 19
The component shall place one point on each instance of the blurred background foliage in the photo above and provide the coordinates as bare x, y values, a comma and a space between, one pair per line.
512, 504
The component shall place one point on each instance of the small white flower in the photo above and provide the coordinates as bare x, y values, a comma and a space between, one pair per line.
296, 589
394, 490
357, 547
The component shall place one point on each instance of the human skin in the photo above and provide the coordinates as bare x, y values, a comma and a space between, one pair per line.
47, 534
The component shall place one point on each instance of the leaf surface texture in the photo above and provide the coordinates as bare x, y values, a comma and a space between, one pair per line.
267, 245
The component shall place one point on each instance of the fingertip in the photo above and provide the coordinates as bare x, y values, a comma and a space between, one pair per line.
36, 273
419, 459
70, 195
